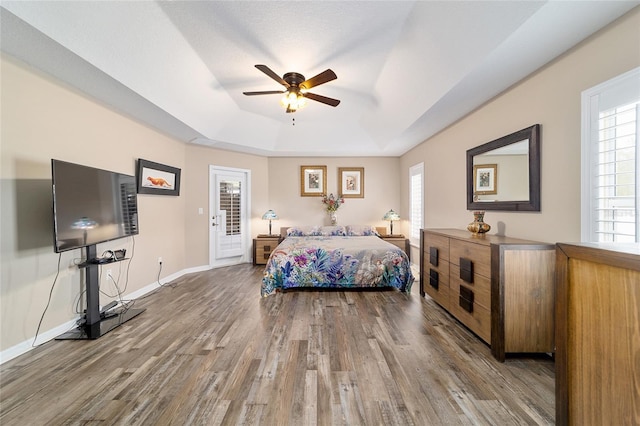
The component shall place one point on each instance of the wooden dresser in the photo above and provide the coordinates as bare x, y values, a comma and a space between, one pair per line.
501, 288
598, 334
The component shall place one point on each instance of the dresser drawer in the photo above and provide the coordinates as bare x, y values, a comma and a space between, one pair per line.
481, 286
478, 254
436, 248
262, 248
436, 282
478, 320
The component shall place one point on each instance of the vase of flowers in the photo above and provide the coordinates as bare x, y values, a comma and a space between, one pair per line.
332, 203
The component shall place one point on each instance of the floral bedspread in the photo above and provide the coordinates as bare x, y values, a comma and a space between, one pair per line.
336, 262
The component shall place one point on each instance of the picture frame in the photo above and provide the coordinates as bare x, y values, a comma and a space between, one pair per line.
485, 178
313, 181
351, 182
157, 179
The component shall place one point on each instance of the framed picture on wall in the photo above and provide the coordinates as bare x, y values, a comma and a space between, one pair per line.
351, 182
313, 181
485, 179
156, 178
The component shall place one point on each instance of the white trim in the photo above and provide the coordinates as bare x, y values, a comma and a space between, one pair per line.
248, 246
590, 99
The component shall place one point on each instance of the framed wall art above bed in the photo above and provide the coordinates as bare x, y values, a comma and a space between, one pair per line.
313, 181
351, 181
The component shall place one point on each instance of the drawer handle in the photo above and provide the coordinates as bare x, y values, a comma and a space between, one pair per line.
434, 279
266, 248
266, 255
433, 256
466, 270
466, 299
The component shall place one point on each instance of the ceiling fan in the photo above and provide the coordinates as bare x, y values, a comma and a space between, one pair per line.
296, 88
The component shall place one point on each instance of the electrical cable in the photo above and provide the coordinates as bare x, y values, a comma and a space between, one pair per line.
55, 279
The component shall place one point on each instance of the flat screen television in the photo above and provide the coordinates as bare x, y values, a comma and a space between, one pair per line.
91, 206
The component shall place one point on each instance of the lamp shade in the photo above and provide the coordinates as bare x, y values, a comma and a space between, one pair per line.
270, 215
391, 215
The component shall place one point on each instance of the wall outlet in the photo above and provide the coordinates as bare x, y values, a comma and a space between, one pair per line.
160, 260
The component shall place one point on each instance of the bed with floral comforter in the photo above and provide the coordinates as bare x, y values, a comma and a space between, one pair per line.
322, 261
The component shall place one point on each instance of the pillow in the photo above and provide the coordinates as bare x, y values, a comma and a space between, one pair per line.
361, 230
302, 231
332, 231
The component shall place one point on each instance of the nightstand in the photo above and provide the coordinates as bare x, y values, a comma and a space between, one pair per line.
398, 240
262, 248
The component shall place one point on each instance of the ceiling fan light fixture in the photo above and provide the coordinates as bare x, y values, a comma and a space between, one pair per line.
296, 86
293, 101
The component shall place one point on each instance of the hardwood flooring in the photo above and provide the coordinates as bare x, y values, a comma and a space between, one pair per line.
208, 350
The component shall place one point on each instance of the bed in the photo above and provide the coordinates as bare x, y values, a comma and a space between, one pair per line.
336, 257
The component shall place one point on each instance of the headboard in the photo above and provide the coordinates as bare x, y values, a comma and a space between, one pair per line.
283, 231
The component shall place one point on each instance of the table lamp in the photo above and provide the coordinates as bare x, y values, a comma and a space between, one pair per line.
391, 216
270, 215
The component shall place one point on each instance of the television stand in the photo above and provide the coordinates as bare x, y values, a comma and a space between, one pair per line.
98, 329
97, 323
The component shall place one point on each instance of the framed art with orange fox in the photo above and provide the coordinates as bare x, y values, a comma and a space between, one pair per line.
156, 178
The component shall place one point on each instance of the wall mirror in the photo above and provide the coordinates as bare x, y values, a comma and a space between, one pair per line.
504, 174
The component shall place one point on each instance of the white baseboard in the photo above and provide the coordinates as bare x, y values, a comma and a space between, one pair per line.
27, 345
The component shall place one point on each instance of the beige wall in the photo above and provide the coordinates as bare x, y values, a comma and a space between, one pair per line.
42, 120
198, 159
381, 184
550, 97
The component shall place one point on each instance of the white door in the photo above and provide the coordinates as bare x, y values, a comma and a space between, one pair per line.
229, 207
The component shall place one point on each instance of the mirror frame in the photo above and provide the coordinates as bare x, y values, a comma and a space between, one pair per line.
533, 204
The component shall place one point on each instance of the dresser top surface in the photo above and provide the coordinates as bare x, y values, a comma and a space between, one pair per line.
484, 239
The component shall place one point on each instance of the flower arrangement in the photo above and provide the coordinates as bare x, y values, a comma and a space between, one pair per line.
332, 202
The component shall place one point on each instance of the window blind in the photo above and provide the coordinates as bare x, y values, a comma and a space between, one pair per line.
611, 160
416, 208
615, 191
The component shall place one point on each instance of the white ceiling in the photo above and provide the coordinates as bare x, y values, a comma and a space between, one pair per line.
406, 69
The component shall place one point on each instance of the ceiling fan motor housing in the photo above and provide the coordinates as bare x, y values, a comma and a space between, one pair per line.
293, 78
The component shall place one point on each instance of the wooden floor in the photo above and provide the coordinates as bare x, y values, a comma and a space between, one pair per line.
210, 351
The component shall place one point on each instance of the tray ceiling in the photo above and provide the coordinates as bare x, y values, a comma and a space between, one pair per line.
406, 69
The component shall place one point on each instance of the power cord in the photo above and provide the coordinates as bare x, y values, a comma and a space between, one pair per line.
55, 279
159, 283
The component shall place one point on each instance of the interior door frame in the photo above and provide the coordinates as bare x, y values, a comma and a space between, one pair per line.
246, 240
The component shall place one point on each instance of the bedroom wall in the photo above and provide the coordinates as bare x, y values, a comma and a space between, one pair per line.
550, 97
198, 159
42, 119
381, 192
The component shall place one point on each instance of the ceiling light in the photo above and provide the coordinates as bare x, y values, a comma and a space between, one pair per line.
293, 100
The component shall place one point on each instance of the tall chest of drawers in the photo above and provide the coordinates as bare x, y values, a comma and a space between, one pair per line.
501, 288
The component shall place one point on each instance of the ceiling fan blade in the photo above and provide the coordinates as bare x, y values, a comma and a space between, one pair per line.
268, 92
319, 79
265, 69
323, 99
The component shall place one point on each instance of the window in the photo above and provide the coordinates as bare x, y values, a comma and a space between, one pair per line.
611, 160
416, 184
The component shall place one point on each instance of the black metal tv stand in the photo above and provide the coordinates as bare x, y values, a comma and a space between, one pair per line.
97, 323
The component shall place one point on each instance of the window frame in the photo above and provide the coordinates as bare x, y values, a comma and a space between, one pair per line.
590, 115
416, 169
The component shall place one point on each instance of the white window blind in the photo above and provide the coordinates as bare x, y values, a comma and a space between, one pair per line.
611, 160
416, 181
